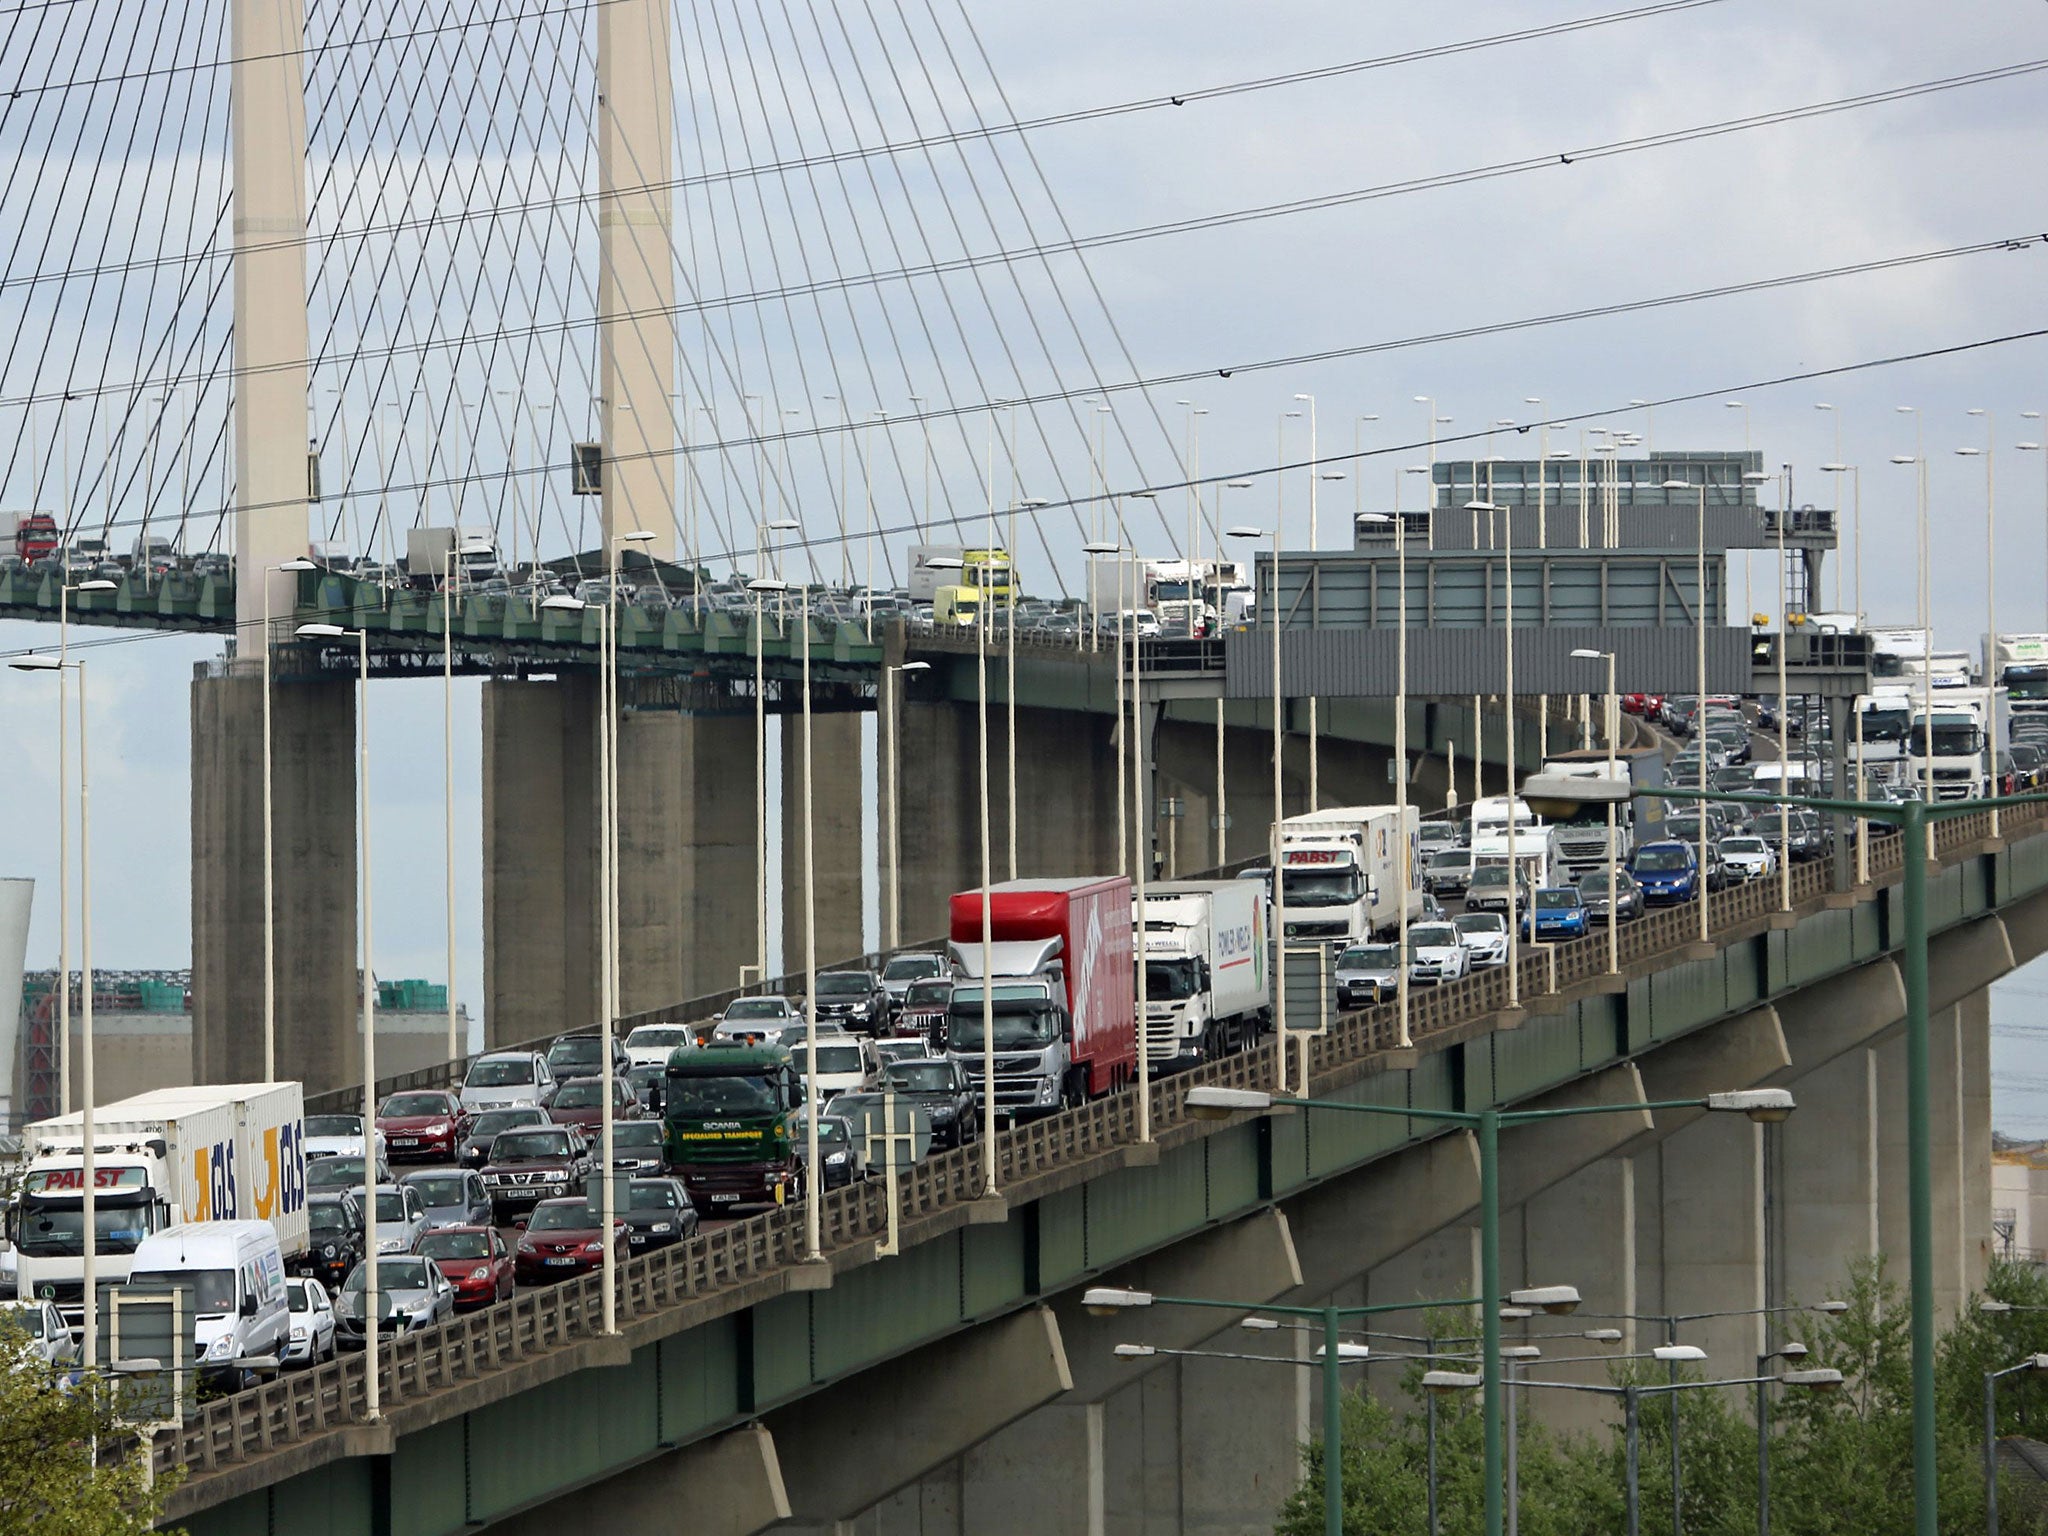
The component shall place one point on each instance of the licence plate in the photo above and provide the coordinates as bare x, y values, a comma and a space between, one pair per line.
725, 1199
405, 1141
561, 1263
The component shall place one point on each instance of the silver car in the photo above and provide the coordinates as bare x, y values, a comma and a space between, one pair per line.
49, 1340
412, 1293
401, 1218
506, 1078
452, 1197
1367, 974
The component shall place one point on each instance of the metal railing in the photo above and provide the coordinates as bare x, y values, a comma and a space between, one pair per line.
333, 1395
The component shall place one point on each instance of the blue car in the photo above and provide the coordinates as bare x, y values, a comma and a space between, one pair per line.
1559, 912
1667, 872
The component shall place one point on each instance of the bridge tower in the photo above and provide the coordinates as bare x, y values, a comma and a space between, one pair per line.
312, 725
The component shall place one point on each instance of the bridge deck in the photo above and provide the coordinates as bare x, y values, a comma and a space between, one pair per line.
723, 1328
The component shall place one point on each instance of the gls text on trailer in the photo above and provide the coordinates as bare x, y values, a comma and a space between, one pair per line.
229, 1152
1208, 991
1062, 992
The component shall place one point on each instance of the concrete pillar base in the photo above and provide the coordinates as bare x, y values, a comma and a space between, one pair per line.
1784, 921
1701, 950
313, 778
988, 1211
811, 1275
1842, 901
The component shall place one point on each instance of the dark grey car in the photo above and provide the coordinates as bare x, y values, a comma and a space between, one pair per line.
1628, 896
453, 1197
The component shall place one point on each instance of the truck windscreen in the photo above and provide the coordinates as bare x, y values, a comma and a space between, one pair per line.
1322, 887
741, 1095
2026, 682
1171, 981
1884, 724
1953, 738
1016, 1024
55, 1231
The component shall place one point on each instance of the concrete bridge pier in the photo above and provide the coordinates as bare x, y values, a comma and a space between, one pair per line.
837, 800
686, 856
313, 774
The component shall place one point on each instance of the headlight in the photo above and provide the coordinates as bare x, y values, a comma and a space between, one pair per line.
595, 1245
662, 1226
834, 1159
438, 1128
327, 1250
481, 1272
390, 1244
942, 1112
298, 1333
222, 1348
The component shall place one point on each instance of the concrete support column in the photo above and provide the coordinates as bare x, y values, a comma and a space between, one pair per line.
1824, 1181
718, 851
1959, 1089
1701, 1247
636, 276
1582, 1232
267, 107
313, 766
1003, 1486
836, 805
652, 868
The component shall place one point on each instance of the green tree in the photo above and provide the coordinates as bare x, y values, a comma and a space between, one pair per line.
68, 1467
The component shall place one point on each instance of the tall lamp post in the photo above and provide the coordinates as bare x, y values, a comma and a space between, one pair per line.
1609, 722
1989, 453
1279, 815
763, 551
1760, 1104
369, 991
2029, 447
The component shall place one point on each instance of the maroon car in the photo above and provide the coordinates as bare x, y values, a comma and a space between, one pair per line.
427, 1125
564, 1239
475, 1260
580, 1102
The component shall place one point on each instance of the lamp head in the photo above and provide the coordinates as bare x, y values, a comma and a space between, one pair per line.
1602, 1335
562, 602
784, 525
1260, 1324
1766, 1106
1792, 1349
1681, 485
1244, 532
1109, 1300
767, 584
320, 631
300, 564
1099, 547
1516, 1314
912, 666
1207, 1103
1134, 1351
1818, 1380
1831, 1308
97, 584
1443, 1383
1557, 1300
34, 663
1345, 1351
1990, 1305
1521, 1352
1678, 1354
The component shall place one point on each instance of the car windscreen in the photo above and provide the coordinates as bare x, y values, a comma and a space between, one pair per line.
757, 1008
1663, 860
390, 1205
406, 1104
530, 1147
831, 1058
492, 1121
213, 1290
499, 1072
574, 1217
1479, 922
1367, 957
334, 1125
657, 1035
325, 1216
455, 1245
921, 1076
1553, 901
1451, 859
652, 1197
1432, 936
404, 1274
586, 1093
928, 994
636, 1133
843, 984
910, 966
436, 1190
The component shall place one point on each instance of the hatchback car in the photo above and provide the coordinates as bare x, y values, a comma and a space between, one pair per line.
412, 1294
1667, 872
342, 1172
751, 1020
636, 1148
1447, 873
580, 1102
838, 1150
941, 1087
338, 1136
427, 1125
1367, 974
475, 1260
1628, 896
310, 1338
902, 970
564, 1239
1436, 954
1557, 913
658, 1214
452, 1197
1747, 857
401, 1219
1488, 890
582, 1055
49, 1340
475, 1150
1484, 935
506, 1078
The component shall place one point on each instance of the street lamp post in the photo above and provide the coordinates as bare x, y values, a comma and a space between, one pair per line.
1279, 814
762, 552
2040, 447
1609, 723
1761, 1104
1792, 1350
2031, 1363
1990, 454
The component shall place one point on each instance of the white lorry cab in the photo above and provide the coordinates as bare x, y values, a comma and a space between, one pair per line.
236, 1269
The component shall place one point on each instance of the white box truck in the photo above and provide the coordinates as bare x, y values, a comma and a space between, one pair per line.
221, 1153
1341, 873
1208, 991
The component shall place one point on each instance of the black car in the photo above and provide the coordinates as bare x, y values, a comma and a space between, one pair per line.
1628, 896
940, 1087
854, 1000
838, 1149
334, 1244
658, 1214
582, 1055
645, 1080
636, 1147
475, 1149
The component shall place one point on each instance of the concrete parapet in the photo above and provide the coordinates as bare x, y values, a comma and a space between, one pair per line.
313, 768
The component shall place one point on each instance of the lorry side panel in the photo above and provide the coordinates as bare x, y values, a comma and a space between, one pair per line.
1239, 982
1101, 982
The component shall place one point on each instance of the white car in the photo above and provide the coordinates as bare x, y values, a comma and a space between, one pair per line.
1485, 935
1750, 857
312, 1332
755, 1019
338, 1136
401, 1218
49, 1340
847, 1063
650, 1044
1436, 953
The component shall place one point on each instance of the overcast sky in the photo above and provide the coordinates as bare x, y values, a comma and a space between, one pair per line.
1945, 170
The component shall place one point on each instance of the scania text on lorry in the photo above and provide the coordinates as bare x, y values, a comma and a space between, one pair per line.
1207, 988
1582, 836
1062, 993
725, 1123
1341, 873
233, 1152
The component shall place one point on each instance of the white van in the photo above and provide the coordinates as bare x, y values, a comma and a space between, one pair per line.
237, 1272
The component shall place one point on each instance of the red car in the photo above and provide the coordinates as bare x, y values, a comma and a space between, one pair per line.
475, 1260
564, 1239
580, 1102
428, 1125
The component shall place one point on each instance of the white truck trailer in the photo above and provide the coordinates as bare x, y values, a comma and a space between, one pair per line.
220, 1153
1341, 873
1208, 990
